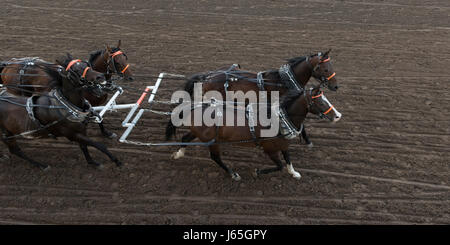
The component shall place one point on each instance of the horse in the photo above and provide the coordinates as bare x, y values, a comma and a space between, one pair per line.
293, 75
111, 60
25, 76
296, 104
62, 112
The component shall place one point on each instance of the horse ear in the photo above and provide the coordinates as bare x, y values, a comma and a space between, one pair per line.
118, 44
326, 53
59, 61
108, 48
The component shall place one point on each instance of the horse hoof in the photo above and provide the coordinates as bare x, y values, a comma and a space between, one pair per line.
310, 145
45, 168
119, 163
297, 176
236, 177
176, 155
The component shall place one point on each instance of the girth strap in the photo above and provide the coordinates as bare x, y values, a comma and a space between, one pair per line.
29, 107
249, 114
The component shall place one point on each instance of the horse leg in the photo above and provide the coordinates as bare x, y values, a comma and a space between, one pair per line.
214, 151
306, 138
274, 156
83, 139
180, 153
106, 132
290, 168
88, 157
15, 149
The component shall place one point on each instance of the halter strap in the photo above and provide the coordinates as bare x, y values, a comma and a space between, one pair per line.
332, 75
331, 108
71, 63
85, 71
317, 96
124, 69
116, 53
326, 60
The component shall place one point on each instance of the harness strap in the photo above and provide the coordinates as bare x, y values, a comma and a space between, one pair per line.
29, 107
286, 124
71, 63
251, 122
286, 74
260, 81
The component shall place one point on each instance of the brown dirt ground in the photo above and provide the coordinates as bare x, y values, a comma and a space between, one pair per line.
386, 161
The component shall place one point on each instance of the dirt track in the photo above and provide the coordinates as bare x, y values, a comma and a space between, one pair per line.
386, 162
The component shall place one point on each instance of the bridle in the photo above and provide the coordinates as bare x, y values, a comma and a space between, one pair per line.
112, 63
83, 75
82, 79
323, 80
310, 103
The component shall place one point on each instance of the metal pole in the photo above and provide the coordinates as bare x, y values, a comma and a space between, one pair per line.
131, 125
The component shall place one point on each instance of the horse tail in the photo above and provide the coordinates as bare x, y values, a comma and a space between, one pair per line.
189, 85
170, 130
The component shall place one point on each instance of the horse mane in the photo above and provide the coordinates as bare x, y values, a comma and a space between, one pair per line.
294, 61
65, 60
53, 72
94, 55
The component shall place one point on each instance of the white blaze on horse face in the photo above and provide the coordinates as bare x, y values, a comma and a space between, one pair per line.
292, 171
336, 112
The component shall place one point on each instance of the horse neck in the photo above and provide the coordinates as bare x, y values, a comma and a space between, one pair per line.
72, 94
297, 110
100, 64
303, 72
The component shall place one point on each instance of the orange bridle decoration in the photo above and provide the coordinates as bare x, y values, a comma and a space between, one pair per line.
117, 53
329, 109
126, 67
85, 71
317, 96
326, 60
73, 62
332, 75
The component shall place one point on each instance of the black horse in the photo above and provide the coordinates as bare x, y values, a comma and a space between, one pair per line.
62, 112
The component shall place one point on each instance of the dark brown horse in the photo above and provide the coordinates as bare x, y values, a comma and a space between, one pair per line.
296, 105
292, 76
109, 61
25, 76
62, 112
71, 64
